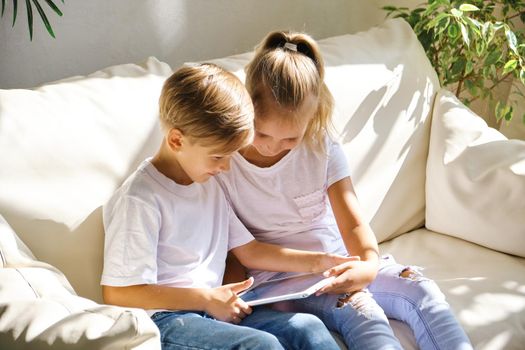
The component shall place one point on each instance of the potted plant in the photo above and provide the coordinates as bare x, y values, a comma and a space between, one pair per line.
29, 10
474, 48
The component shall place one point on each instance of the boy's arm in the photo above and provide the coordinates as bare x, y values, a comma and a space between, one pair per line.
270, 257
221, 302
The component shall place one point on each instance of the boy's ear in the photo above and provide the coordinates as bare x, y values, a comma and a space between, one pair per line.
175, 139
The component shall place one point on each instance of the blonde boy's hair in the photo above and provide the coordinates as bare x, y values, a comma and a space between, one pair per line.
209, 105
287, 68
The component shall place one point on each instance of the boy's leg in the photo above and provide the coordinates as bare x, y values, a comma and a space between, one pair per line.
294, 330
190, 330
357, 318
407, 296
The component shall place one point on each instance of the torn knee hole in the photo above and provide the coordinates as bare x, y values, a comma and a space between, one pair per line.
344, 299
356, 299
410, 273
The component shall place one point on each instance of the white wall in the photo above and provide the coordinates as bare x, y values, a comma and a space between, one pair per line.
97, 33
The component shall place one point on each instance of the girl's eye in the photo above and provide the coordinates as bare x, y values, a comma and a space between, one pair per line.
217, 158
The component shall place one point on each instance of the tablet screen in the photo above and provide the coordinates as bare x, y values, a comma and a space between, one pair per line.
294, 287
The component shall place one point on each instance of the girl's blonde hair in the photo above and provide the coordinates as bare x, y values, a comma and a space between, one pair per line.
288, 67
209, 105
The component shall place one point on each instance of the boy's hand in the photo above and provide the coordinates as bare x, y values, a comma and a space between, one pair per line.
351, 276
225, 305
328, 261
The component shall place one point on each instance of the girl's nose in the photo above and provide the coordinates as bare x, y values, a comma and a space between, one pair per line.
274, 148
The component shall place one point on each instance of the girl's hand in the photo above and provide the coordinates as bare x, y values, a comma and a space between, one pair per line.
351, 276
329, 261
225, 305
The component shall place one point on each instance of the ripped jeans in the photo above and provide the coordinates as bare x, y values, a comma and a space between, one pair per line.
397, 292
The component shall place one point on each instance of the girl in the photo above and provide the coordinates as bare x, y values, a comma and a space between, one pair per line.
292, 187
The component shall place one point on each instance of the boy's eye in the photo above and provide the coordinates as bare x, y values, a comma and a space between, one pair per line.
217, 157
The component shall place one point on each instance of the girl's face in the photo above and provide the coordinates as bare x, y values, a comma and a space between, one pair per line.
279, 129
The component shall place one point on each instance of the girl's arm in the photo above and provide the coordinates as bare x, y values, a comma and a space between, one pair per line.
270, 257
222, 302
358, 238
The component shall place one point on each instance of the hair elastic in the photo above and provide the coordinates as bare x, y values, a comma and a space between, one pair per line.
290, 46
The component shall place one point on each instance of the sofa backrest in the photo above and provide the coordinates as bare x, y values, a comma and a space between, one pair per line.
66, 146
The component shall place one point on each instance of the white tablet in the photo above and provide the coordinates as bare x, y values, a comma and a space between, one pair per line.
287, 288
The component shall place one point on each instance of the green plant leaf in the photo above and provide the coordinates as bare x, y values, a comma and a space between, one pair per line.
523, 118
44, 18
472, 89
464, 34
510, 66
512, 40
469, 67
3, 8
435, 21
453, 31
508, 113
389, 8
29, 18
456, 13
15, 11
480, 48
468, 8
458, 66
54, 7
500, 110
492, 57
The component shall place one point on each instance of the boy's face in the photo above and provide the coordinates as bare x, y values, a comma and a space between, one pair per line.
277, 131
199, 163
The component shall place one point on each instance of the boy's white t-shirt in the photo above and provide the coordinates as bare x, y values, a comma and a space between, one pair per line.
287, 203
160, 232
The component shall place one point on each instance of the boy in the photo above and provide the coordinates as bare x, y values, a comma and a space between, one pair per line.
169, 228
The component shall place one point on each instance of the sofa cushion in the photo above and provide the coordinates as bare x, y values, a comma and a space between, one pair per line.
12, 250
475, 179
383, 102
39, 308
485, 288
65, 147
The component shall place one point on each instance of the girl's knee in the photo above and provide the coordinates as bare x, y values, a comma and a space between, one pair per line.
360, 304
412, 283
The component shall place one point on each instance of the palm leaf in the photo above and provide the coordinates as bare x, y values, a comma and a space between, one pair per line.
44, 18
15, 10
3, 7
54, 7
29, 18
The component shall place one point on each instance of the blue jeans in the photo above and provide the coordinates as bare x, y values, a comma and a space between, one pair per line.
418, 302
263, 329
363, 324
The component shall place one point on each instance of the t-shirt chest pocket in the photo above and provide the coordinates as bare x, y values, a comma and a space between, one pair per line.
311, 206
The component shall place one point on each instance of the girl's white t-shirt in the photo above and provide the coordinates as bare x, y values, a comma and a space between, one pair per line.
287, 203
160, 232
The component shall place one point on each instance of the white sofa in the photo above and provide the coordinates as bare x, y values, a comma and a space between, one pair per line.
441, 189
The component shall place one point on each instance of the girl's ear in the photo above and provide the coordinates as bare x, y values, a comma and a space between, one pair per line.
175, 139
